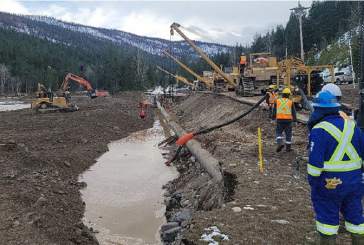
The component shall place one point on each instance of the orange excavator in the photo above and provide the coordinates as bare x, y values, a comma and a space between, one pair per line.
93, 93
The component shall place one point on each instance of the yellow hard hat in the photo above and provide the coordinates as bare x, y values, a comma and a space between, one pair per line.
286, 91
271, 86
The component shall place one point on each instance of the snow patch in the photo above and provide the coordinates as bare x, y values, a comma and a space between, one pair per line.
215, 233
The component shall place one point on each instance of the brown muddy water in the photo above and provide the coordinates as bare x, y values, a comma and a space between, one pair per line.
12, 105
124, 196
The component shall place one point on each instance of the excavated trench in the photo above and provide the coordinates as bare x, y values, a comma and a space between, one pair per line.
124, 197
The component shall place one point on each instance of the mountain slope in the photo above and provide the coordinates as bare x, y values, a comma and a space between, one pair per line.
67, 33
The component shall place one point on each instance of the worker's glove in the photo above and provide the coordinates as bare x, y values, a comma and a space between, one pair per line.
332, 183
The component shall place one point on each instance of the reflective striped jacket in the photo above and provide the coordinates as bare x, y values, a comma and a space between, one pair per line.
336, 150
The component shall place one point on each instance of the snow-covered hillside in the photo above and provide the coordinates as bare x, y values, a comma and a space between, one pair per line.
42, 27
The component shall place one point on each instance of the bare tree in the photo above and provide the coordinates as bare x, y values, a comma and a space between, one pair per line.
14, 85
4, 77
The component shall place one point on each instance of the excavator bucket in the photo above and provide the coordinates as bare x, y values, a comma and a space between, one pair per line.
92, 94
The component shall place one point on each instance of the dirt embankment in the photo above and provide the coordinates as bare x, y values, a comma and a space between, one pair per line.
275, 207
40, 202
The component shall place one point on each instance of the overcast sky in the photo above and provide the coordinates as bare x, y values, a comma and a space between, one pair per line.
225, 22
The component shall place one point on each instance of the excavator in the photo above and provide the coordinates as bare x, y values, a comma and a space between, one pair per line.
202, 81
59, 101
178, 78
221, 79
93, 93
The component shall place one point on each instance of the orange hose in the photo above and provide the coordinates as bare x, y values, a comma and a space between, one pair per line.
183, 140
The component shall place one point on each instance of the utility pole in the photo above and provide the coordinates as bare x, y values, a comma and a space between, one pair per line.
299, 11
360, 117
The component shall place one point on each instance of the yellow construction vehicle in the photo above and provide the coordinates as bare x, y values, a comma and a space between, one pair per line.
258, 75
49, 101
178, 78
302, 80
202, 83
222, 80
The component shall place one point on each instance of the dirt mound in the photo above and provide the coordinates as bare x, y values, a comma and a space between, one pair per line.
40, 202
269, 207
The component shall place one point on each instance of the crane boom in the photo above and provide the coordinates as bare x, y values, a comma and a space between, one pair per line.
205, 81
176, 26
179, 78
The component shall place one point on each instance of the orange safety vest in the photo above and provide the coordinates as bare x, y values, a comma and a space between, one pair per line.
272, 97
243, 60
284, 109
143, 113
343, 115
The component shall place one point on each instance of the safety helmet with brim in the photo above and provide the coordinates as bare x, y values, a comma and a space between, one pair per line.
325, 99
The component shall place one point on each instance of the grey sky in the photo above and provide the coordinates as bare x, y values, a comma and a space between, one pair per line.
226, 22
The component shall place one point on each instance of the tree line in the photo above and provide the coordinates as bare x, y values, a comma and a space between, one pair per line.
26, 61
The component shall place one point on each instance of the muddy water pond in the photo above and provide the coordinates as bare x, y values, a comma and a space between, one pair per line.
12, 105
124, 196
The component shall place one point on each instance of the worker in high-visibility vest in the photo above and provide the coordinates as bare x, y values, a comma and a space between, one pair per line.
336, 150
142, 114
270, 101
284, 111
242, 62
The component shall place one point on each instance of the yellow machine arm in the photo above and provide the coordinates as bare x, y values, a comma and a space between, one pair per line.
201, 79
175, 27
179, 78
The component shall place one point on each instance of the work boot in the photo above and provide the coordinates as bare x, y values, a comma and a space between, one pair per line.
288, 147
280, 146
357, 239
328, 240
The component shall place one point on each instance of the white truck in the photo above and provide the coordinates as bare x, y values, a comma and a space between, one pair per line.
339, 78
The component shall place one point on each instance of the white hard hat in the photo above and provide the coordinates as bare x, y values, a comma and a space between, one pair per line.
333, 88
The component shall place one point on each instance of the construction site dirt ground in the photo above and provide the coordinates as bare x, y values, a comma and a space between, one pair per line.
40, 202
275, 207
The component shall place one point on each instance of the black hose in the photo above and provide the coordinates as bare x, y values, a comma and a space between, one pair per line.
203, 131
174, 156
307, 103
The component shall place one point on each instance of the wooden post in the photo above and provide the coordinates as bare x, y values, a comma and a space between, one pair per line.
260, 150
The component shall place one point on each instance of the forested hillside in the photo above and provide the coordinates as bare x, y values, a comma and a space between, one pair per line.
37, 49
28, 61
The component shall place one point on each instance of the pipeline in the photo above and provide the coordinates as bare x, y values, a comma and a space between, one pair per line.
184, 139
307, 103
207, 161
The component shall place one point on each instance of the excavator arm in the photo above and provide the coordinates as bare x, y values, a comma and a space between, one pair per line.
179, 78
78, 79
201, 79
175, 27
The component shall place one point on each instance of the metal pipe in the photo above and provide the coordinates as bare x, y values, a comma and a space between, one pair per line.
207, 161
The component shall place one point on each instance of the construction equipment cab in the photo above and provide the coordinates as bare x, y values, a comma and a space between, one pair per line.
90, 91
